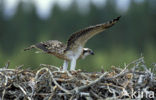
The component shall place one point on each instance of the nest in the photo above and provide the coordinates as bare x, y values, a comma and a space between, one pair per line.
51, 83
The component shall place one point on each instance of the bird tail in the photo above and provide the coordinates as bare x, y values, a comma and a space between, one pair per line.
42, 47
38, 46
29, 48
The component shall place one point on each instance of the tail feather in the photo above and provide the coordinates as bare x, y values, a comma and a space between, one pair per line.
42, 47
39, 46
29, 48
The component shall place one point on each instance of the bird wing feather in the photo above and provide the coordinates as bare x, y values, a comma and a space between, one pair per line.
81, 37
50, 46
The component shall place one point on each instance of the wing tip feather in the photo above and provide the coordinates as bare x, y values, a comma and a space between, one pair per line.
112, 22
104, 26
116, 19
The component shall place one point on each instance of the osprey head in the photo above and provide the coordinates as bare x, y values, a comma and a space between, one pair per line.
86, 52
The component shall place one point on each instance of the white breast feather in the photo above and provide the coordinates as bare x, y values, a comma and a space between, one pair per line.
74, 54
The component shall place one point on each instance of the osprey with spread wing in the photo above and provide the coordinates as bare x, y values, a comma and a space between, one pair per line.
74, 49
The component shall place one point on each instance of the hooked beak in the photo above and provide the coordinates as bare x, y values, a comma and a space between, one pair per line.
92, 53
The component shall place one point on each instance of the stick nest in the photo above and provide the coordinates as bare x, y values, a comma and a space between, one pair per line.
51, 83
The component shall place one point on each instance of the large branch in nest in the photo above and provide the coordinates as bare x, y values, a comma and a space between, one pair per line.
51, 82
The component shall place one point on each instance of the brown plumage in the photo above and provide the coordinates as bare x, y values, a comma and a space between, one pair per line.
74, 48
54, 47
84, 35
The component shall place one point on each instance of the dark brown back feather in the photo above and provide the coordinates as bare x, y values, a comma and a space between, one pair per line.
90, 30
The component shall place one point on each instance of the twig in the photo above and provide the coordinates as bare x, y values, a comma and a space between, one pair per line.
96, 95
90, 84
5, 83
84, 94
45, 65
53, 83
66, 91
25, 93
118, 75
140, 59
7, 65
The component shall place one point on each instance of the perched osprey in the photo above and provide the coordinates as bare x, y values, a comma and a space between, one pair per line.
74, 49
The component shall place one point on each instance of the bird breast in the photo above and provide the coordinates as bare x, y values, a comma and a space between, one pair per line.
74, 53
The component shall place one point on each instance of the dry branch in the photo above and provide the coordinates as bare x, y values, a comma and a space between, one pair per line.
51, 83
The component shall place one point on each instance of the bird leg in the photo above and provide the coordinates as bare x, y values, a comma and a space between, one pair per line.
65, 65
73, 64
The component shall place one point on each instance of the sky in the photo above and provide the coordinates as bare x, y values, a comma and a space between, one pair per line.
44, 7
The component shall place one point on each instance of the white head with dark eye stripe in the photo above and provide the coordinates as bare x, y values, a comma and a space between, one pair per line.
86, 52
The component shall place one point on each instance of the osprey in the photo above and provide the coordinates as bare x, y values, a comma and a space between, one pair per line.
74, 49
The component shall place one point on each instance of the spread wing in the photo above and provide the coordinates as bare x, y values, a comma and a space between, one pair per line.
51, 46
81, 37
